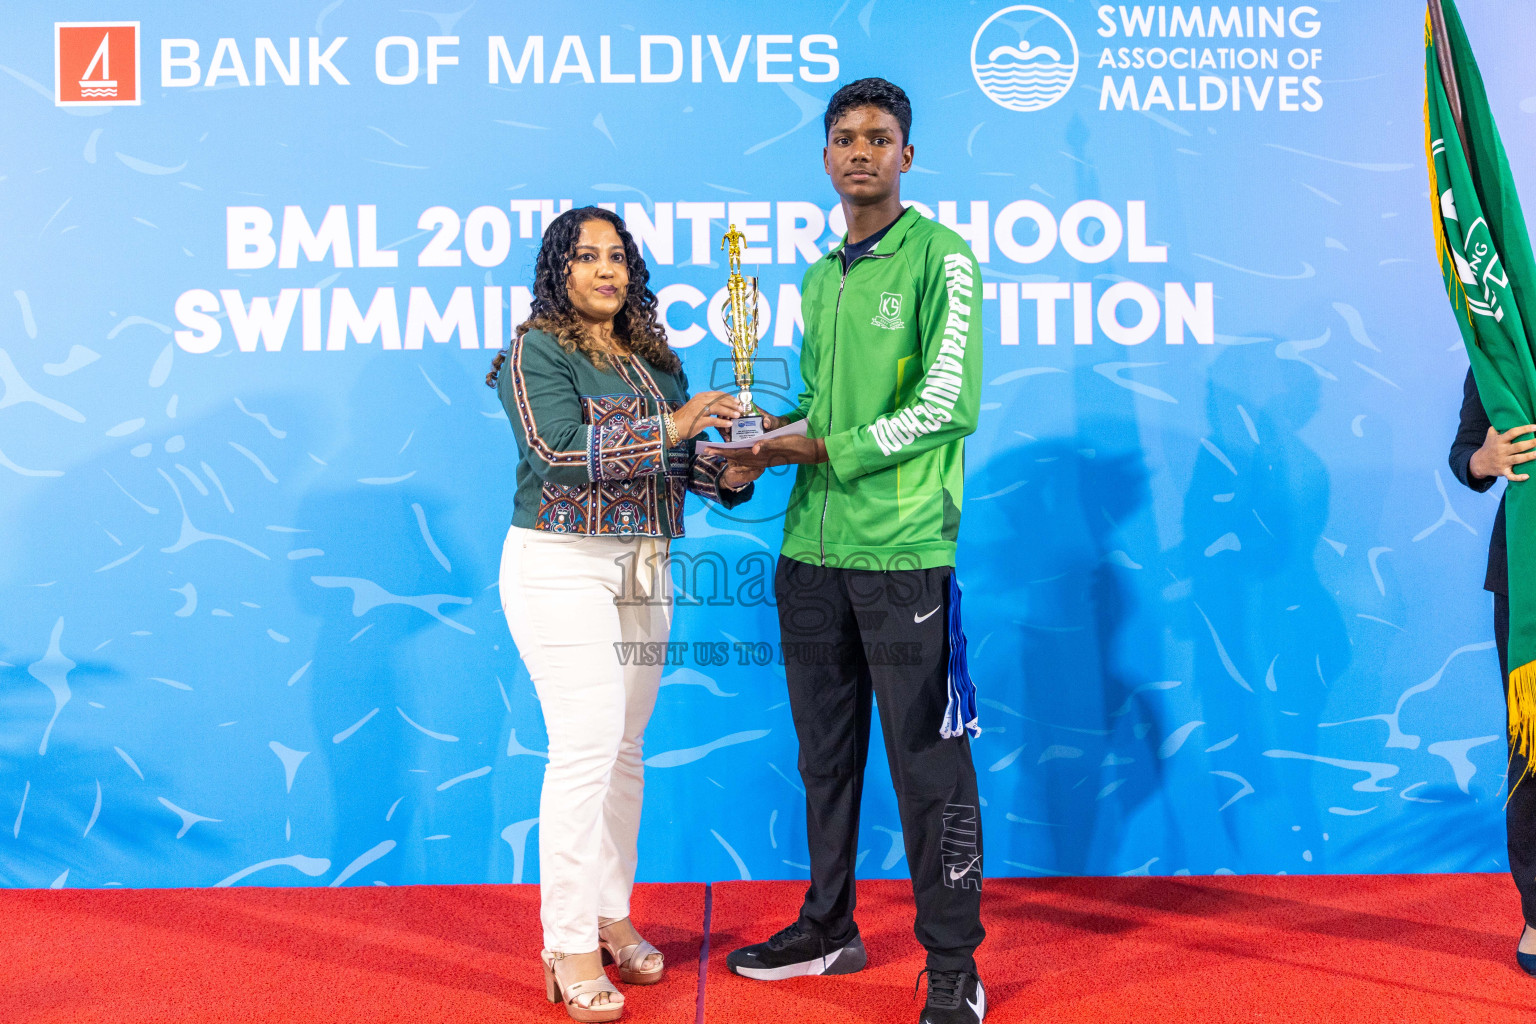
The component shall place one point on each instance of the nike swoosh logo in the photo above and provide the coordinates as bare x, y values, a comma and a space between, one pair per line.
924, 618
979, 1007
956, 875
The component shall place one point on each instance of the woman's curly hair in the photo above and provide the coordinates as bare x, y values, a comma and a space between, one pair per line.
635, 323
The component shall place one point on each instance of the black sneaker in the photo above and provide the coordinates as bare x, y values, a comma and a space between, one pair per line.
954, 997
795, 952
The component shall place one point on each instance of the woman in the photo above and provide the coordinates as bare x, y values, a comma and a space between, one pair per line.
604, 426
1481, 454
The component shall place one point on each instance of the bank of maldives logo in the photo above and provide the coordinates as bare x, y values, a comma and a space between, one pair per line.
96, 63
1024, 58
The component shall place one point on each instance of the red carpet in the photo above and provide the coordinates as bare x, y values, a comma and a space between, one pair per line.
459, 954
1351, 950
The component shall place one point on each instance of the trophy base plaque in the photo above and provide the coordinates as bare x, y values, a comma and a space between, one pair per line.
747, 428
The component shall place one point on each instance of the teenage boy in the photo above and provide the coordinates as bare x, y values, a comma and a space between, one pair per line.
891, 362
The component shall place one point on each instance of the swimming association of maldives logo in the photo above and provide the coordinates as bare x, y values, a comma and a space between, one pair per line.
96, 63
1024, 58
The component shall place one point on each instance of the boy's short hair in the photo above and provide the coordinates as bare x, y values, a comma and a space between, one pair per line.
871, 92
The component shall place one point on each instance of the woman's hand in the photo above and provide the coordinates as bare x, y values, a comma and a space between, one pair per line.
1501, 453
703, 410
734, 478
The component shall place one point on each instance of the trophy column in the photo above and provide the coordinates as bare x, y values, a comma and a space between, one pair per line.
739, 312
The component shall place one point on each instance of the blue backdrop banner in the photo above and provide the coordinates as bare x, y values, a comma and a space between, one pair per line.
1222, 593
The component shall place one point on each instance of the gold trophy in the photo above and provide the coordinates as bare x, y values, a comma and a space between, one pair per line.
739, 311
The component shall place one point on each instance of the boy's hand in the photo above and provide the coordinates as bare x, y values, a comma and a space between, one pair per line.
778, 451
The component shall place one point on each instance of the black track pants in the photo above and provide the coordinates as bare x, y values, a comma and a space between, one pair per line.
850, 635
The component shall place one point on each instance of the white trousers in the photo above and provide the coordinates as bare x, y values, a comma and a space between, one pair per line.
561, 595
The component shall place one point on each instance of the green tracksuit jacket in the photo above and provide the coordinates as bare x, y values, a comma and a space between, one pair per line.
892, 368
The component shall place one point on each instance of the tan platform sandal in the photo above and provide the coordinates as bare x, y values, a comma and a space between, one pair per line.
629, 958
573, 993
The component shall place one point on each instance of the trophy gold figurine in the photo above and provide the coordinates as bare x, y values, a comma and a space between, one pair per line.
739, 311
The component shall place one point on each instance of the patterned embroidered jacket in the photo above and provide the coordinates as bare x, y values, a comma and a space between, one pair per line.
594, 458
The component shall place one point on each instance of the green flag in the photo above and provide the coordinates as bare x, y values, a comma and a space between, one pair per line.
1490, 278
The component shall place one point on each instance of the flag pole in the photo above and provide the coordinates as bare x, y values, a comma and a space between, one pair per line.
1447, 68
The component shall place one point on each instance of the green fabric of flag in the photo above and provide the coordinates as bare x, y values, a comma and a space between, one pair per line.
1490, 279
